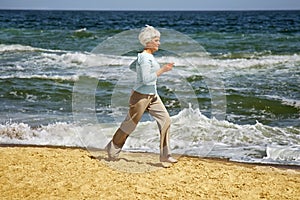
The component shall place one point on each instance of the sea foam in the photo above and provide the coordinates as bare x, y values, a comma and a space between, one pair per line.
192, 133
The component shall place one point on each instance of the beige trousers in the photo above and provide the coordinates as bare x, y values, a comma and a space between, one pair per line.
138, 104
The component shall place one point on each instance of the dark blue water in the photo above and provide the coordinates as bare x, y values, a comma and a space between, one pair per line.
218, 32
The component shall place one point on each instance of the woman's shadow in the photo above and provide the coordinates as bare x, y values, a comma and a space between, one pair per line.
131, 158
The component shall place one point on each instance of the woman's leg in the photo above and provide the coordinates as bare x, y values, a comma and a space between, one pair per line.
161, 115
138, 104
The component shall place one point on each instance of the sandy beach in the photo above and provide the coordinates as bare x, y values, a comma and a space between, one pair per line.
72, 173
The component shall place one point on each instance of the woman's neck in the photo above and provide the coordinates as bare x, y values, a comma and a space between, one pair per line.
148, 51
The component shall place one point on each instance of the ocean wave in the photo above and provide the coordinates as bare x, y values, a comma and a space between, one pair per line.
283, 154
60, 134
246, 55
83, 33
285, 101
16, 47
192, 134
244, 63
201, 64
42, 77
191, 61
19, 47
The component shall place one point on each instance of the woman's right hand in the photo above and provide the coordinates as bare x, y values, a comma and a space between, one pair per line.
168, 67
165, 68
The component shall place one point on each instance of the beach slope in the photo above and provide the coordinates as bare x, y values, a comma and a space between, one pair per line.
73, 173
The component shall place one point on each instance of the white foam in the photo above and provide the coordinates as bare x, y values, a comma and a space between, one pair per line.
191, 133
81, 30
242, 63
89, 59
61, 134
95, 65
19, 47
16, 131
16, 47
283, 153
47, 77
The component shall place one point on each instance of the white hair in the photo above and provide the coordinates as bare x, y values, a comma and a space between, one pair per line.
147, 34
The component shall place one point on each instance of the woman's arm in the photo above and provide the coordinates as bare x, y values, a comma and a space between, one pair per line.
144, 71
165, 68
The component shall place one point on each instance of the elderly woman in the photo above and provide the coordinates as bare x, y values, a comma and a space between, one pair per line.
144, 97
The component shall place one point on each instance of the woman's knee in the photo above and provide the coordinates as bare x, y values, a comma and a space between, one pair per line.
165, 122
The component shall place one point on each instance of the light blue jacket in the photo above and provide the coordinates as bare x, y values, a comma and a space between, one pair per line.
145, 66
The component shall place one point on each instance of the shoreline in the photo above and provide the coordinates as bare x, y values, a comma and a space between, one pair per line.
35, 172
280, 166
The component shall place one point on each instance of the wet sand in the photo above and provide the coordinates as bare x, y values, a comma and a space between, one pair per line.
28, 172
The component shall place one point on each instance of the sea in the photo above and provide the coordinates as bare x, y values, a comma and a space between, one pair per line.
234, 92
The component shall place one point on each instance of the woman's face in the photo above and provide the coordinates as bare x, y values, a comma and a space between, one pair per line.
153, 45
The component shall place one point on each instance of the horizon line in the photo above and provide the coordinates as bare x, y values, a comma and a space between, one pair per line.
170, 10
